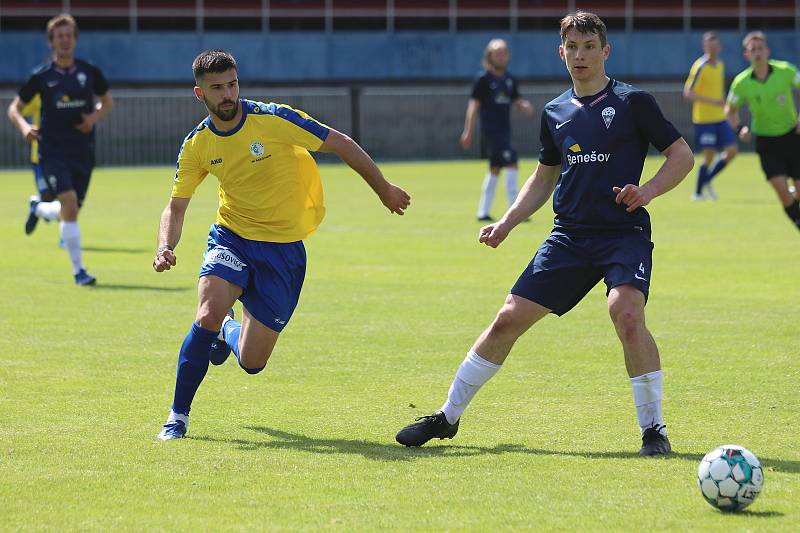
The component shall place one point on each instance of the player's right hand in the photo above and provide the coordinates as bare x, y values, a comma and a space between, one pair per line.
493, 234
164, 260
466, 140
31, 134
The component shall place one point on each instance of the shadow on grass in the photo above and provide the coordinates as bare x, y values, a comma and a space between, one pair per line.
756, 514
390, 451
113, 250
122, 287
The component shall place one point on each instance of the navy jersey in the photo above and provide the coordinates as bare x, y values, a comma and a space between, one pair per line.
65, 94
495, 95
601, 141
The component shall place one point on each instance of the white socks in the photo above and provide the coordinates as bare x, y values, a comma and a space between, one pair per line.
647, 399
487, 194
48, 210
472, 374
71, 235
511, 185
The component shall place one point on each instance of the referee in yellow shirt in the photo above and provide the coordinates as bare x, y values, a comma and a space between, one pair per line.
705, 88
270, 199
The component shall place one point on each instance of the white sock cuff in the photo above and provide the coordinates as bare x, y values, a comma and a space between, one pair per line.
476, 370
647, 388
173, 416
69, 230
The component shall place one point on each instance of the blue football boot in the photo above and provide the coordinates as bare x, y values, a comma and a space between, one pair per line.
219, 348
84, 279
175, 427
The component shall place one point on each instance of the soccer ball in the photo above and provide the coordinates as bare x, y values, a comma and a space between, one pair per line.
730, 477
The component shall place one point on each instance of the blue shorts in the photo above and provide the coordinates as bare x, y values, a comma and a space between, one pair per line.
716, 136
66, 174
271, 274
498, 150
567, 267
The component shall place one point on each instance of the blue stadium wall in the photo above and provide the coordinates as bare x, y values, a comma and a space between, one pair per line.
295, 57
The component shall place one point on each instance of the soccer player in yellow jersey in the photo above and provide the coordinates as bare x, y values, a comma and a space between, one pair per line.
705, 87
270, 199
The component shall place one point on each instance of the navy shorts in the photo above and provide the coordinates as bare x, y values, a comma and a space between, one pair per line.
271, 274
45, 194
499, 151
716, 135
567, 267
66, 174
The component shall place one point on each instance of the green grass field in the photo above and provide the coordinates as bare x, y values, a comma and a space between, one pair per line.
390, 306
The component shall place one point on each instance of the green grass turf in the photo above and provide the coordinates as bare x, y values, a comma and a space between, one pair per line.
390, 306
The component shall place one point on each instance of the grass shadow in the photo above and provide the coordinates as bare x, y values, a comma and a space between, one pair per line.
113, 250
383, 451
123, 287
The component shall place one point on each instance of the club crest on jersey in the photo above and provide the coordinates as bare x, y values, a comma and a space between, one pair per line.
81, 79
608, 115
257, 149
220, 255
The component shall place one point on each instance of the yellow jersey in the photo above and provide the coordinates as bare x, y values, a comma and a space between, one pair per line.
707, 80
32, 112
269, 185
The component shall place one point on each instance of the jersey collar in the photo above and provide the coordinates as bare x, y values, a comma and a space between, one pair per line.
210, 123
769, 72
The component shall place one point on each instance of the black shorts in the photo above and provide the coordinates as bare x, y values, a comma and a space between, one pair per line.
567, 267
62, 174
780, 156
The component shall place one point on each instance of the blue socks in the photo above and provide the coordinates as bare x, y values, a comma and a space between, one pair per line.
718, 166
702, 178
230, 332
192, 367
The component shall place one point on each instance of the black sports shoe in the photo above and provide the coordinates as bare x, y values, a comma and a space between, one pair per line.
654, 443
220, 350
485, 218
30, 223
426, 428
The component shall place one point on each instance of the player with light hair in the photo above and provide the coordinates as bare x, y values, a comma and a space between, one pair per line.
766, 89
74, 96
270, 199
493, 94
705, 88
594, 138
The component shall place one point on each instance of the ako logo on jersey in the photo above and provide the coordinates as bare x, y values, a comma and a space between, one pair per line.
574, 155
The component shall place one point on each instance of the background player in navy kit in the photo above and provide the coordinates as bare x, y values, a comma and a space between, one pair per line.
493, 93
594, 138
67, 87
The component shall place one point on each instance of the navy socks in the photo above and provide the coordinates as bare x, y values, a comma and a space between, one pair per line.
192, 367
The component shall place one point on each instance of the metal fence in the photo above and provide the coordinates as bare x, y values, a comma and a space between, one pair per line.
147, 126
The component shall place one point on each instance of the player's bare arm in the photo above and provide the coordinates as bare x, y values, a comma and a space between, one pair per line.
15, 116
537, 189
169, 233
102, 108
679, 162
393, 197
469, 121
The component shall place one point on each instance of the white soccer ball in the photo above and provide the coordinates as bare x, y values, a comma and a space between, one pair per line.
730, 477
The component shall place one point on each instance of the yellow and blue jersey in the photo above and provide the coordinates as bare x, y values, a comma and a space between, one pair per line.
32, 112
707, 80
269, 185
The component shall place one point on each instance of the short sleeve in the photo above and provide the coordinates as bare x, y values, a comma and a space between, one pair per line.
736, 95
514, 95
30, 89
480, 89
100, 86
549, 154
299, 128
651, 123
188, 172
692, 78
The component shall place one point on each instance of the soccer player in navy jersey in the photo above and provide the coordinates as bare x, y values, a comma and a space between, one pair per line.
67, 87
493, 94
595, 138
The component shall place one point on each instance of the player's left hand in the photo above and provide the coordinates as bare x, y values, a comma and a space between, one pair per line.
87, 124
395, 199
526, 107
633, 196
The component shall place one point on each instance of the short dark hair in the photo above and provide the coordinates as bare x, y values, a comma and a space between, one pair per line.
215, 61
584, 22
64, 19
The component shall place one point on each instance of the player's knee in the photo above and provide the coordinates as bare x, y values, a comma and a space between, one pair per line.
628, 323
505, 324
730, 153
210, 319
